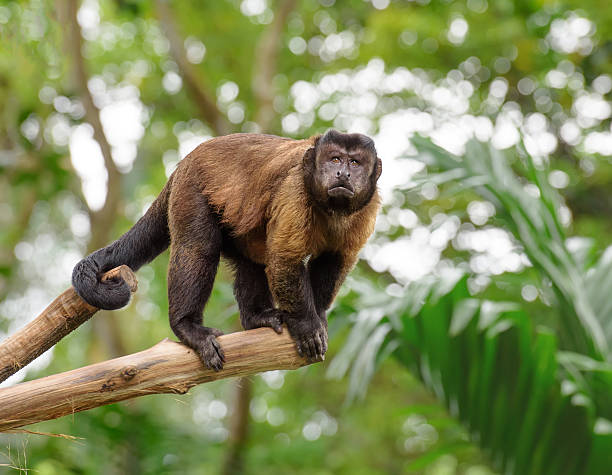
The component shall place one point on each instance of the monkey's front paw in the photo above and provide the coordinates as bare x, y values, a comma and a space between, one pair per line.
210, 352
310, 338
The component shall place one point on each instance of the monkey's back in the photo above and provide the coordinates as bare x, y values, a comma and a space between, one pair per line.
240, 173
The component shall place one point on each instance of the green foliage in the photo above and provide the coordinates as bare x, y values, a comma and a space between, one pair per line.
535, 407
45, 223
536, 223
529, 405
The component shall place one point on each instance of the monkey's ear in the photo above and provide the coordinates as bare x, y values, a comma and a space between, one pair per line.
378, 168
309, 156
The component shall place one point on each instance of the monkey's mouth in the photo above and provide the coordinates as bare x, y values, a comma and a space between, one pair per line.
341, 191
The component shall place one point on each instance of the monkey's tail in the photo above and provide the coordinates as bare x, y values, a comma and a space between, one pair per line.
148, 238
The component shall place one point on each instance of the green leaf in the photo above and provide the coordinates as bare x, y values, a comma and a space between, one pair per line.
499, 375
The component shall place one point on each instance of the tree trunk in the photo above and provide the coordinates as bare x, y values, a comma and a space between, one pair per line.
239, 428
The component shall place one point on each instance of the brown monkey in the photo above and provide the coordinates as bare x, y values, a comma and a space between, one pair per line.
290, 215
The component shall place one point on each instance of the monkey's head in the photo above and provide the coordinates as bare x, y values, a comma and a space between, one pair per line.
341, 171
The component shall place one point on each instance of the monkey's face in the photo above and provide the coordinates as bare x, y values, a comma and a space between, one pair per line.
345, 172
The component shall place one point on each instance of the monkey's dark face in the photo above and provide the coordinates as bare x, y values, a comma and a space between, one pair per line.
343, 172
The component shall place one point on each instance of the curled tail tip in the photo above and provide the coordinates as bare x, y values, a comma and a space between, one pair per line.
107, 295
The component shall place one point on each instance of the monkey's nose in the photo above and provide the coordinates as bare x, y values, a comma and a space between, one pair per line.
342, 172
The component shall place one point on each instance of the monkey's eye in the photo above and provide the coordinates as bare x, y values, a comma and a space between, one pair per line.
355, 163
335, 160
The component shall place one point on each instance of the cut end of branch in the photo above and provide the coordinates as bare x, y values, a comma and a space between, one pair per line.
122, 272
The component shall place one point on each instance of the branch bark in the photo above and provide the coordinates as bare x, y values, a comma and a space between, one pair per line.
167, 367
64, 314
204, 100
266, 64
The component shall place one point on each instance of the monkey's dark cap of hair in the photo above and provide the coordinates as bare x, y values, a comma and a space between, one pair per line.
348, 141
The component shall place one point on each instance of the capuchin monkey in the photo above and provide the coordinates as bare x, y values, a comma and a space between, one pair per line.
289, 215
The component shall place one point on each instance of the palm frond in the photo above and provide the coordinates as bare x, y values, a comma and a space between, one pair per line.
536, 223
533, 408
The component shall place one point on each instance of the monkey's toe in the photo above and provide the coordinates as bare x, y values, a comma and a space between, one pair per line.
320, 343
271, 317
313, 346
310, 336
215, 332
272, 321
211, 353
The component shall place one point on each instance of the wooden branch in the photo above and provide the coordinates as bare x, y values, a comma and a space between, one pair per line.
63, 315
167, 367
204, 100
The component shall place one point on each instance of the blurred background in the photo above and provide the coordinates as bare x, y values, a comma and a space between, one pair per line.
474, 335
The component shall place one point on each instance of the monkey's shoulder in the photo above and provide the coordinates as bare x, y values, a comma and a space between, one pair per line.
240, 174
250, 150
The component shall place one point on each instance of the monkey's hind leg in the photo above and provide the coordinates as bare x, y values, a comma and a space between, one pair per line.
194, 258
254, 298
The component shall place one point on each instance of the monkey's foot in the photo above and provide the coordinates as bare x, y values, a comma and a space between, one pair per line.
208, 349
270, 317
310, 337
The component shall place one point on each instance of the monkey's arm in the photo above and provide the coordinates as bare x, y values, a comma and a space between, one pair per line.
292, 294
289, 287
287, 245
327, 273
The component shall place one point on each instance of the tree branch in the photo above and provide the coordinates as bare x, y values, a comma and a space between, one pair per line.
266, 64
62, 316
167, 367
204, 100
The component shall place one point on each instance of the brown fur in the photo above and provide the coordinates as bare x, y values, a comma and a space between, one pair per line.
240, 174
256, 185
258, 200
